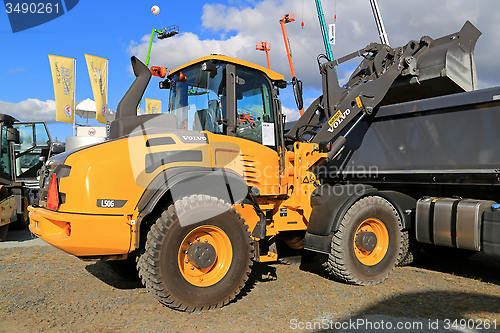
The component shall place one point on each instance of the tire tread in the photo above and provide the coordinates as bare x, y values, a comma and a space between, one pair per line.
336, 264
148, 265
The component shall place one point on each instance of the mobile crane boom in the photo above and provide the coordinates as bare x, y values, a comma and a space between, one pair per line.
322, 25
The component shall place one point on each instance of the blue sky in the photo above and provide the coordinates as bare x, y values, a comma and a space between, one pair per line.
101, 28
116, 30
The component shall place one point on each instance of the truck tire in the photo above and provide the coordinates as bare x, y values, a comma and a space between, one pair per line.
366, 248
202, 265
411, 249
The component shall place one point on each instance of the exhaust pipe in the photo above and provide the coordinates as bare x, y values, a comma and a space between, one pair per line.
130, 101
126, 119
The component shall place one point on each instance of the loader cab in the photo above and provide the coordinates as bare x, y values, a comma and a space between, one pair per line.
227, 96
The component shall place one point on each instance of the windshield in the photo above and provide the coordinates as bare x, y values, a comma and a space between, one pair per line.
198, 99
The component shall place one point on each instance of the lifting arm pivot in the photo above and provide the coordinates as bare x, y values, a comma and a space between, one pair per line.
367, 86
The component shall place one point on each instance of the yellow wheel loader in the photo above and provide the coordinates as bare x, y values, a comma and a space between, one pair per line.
194, 196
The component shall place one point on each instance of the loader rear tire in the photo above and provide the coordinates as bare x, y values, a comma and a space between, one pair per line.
366, 248
198, 254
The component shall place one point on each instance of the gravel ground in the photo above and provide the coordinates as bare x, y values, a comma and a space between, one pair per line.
46, 290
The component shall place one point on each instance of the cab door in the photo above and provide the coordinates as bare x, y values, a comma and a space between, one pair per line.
34, 142
258, 119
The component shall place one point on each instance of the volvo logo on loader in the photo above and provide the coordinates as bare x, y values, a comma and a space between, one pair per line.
201, 138
194, 138
337, 119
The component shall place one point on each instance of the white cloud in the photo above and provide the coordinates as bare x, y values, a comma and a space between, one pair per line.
247, 24
186, 47
290, 114
31, 109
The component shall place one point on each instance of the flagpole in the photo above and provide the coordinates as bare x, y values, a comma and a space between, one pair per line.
74, 97
107, 78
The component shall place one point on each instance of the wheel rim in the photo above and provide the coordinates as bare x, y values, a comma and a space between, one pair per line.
369, 250
213, 246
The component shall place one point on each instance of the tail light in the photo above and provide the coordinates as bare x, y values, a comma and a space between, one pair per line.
53, 196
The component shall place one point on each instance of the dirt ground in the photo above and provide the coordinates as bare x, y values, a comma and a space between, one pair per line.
46, 290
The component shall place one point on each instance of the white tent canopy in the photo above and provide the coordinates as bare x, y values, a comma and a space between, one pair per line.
86, 109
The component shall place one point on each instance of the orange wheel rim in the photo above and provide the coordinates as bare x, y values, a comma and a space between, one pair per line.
371, 241
205, 256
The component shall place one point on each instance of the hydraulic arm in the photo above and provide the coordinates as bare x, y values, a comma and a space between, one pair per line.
421, 63
366, 88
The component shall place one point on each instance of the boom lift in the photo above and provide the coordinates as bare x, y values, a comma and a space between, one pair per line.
297, 84
194, 196
266, 47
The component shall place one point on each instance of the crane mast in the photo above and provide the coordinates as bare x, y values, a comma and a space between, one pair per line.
384, 39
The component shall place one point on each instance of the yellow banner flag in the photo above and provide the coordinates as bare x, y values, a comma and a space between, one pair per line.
62, 69
153, 106
98, 73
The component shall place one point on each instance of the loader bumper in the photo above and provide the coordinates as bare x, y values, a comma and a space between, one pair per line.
82, 234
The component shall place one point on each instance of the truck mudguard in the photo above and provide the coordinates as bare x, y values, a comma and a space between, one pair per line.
331, 203
405, 206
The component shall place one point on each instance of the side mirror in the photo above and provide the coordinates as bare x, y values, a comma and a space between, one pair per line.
12, 135
280, 84
58, 148
297, 92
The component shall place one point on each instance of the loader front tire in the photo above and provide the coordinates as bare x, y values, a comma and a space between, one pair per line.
366, 248
198, 254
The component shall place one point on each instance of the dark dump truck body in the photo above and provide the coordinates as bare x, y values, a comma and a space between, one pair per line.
443, 152
447, 142
407, 131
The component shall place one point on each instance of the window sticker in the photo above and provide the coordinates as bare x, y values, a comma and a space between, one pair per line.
268, 134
